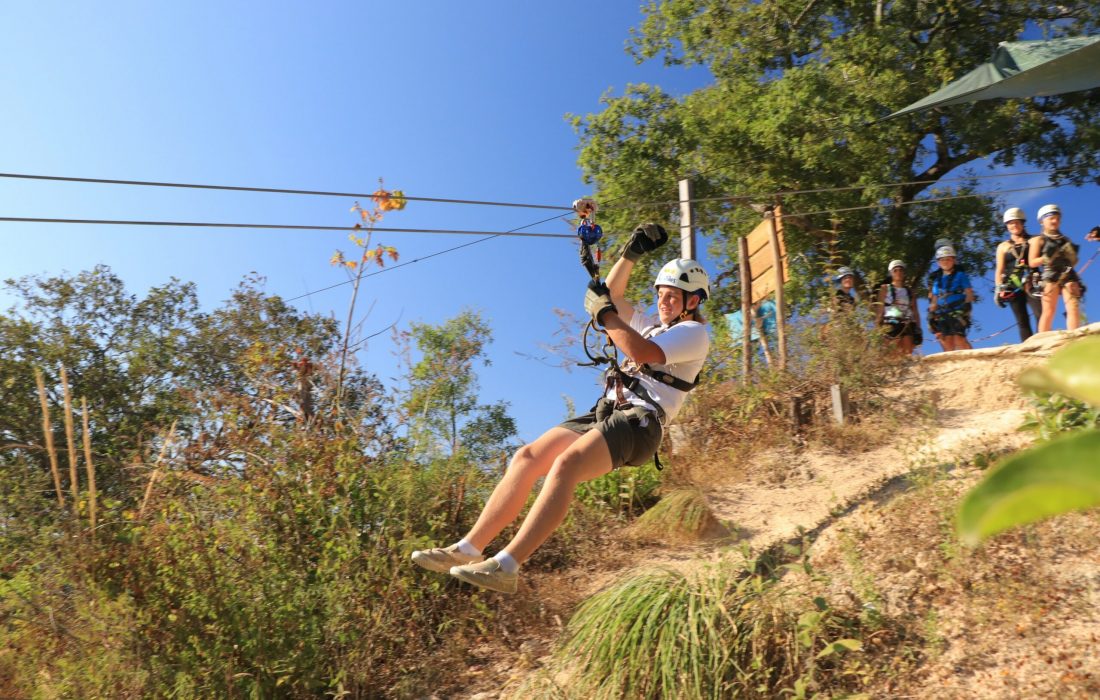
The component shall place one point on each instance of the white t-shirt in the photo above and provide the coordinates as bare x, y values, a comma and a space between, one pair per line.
897, 303
685, 345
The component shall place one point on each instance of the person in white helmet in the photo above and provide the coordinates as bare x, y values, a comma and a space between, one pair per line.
897, 311
665, 354
846, 294
1013, 274
950, 298
1055, 256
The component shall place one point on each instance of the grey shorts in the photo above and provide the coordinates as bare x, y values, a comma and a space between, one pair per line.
632, 439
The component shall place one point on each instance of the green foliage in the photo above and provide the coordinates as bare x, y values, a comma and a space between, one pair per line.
270, 557
1055, 413
285, 576
625, 492
140, 360
1055, 477
795, 87
660, 634
442, 403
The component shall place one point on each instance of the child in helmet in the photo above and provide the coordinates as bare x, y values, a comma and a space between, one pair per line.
846, 294
665, 354
1013, 274
950, 298
1055, 255
897, 311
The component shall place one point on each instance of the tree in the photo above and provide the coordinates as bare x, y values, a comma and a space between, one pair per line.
145, 362
442, 404
796, 84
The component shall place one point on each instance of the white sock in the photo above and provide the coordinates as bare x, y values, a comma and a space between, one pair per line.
466, 548
506, 561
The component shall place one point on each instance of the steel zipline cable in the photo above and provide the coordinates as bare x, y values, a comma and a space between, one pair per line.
887, 205
269, 190
845, 188
514, 231
288, 227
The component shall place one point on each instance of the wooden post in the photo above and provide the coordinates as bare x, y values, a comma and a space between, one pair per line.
47, 433
687, 230
88, 466
70, 439
780, 306
746, 308
840, 404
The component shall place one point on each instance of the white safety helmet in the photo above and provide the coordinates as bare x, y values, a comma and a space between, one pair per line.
1047, 210
894, 264
684, 274
842, 272
945, 251
1015, 214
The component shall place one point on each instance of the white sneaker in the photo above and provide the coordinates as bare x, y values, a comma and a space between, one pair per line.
487, 574
441, 559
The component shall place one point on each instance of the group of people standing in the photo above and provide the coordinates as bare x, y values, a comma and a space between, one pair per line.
1032, 272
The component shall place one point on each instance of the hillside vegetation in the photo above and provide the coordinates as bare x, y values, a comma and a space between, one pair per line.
256, 499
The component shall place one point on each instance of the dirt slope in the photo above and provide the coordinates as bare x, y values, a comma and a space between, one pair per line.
971, 406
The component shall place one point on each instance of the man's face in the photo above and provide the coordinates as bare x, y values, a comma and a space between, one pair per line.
1015, 227
1051, 222
670, 303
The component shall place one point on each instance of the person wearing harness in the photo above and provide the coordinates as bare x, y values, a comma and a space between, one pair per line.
897, 311
664, 355
845, 296
1055, 255
950, 298
1013, 273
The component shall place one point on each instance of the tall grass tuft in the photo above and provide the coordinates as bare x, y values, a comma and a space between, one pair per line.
716, 634
657, 634
682, 514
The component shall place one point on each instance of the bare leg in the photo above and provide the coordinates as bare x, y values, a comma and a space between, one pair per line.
1071, 297
586, 459
1050, 306
530, 463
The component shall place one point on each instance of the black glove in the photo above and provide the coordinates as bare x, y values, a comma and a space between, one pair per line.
597, 301
918, 336
997, 298
647, 237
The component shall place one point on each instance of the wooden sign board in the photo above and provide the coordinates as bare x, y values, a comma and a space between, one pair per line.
761, 258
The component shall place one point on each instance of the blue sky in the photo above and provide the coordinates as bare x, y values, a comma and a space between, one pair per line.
462, 100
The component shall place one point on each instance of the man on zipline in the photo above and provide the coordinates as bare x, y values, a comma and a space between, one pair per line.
664, 355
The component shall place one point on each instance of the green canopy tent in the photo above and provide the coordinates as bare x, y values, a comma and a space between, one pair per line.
1023, 69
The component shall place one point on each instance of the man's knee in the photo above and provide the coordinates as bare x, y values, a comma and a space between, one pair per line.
524, 460
567, 467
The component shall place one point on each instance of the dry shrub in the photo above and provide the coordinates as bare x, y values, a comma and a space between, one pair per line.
681, 515
726, 417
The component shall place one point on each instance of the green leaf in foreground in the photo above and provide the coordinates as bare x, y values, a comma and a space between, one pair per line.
840, 645
1053, 478
1074, 371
